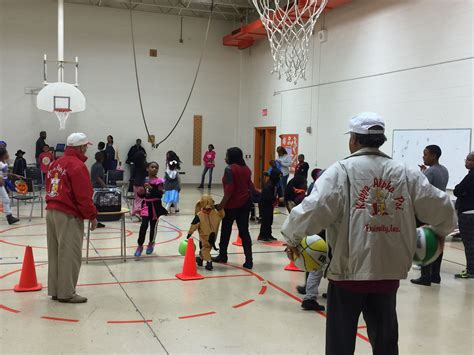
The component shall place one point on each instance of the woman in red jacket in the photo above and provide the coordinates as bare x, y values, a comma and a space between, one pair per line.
236, 204
209, 164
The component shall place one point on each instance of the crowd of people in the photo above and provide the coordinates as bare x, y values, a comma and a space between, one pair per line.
352, 204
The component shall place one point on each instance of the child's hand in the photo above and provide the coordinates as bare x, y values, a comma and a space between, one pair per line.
189, 236
292, 253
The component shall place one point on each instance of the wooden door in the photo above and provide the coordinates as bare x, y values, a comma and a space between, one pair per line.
265, 140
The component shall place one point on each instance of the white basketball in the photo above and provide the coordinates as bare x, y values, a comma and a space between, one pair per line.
313, 253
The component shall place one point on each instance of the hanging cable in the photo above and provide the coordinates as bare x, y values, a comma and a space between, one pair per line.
192, 86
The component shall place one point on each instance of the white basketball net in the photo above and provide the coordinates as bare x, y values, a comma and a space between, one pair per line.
62, 116
289, 25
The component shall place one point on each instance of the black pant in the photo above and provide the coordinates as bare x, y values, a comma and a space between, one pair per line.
380, 315
431, 271
266, 214
241, 216
143, 229
466, 228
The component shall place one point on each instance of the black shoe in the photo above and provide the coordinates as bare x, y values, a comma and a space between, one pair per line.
421, 281
436, 279
11, 219
209, 187
263, 239
248, 265
325, 295
100, 225
301, 290
198, 261
272, 238
312, 305
220, 259
54, 298
200, 187
209, 265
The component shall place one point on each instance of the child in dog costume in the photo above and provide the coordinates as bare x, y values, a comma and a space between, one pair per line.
206, 222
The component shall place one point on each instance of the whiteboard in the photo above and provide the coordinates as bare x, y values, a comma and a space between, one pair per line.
455, 144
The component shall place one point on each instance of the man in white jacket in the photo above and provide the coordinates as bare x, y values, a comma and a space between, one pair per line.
368, 203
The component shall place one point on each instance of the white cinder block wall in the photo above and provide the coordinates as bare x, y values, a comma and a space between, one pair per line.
101, 38
368, 37
365, 37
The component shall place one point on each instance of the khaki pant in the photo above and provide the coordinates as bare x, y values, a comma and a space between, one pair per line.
65, 234
205, 248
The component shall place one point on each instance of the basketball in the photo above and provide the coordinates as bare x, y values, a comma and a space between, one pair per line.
312, 253
428, 246
182, 247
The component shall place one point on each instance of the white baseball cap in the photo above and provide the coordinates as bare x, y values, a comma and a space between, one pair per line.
77, 139
362, 122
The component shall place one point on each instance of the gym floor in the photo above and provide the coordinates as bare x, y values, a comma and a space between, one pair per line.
140, 306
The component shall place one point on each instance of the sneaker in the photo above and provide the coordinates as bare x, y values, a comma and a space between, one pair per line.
421, 281
209, 265
11, 219
198, 261
220, 259
301, 290
100, 225
74, 299
464, 275
416, 267
248, 265
312, 305
139, 251
150, 248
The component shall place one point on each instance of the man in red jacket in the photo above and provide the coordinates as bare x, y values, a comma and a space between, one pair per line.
68, 203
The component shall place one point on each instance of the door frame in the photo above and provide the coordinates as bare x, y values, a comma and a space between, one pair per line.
267, 154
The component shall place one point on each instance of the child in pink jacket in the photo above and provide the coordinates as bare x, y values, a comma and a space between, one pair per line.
209, 164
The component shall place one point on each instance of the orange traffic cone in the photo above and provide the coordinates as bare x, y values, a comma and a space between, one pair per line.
292, 267
238, 241
28, 280
189, 266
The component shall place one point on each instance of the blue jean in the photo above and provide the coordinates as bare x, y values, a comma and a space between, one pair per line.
206, 169
312, 284
284, 182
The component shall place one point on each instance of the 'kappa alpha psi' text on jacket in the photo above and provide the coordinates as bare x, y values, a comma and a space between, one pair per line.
69, 187
368, 204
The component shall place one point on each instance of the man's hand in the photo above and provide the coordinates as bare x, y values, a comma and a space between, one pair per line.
292, 253
423, 168
94, 224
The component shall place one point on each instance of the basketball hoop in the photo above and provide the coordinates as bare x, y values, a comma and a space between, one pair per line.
289, 25
62, 114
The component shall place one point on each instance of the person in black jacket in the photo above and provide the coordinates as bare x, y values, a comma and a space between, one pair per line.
267, 200
302, 168
464, 191
19, 166
40, 143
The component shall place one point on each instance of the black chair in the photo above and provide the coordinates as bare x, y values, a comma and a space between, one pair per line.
31, 195
35, 175
114, 176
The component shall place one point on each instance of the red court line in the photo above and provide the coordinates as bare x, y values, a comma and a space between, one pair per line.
243, 304
156, 280
299, 300
8, 309
361, 327
129, 321
18, 270
197, 315
60, 319
263, 290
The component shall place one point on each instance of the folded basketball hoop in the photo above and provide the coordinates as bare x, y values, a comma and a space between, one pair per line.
289, 25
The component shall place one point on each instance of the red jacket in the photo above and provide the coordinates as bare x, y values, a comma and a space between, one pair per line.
69, 187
